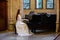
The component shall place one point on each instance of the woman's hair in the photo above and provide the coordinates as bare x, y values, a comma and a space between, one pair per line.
18, 12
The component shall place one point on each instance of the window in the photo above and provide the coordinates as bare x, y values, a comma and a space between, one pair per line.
39, 4
50, 4
26, 4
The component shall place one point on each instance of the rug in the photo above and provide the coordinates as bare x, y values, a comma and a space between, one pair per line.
57, 37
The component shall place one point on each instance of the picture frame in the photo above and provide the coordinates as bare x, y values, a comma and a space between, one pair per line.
26, 4
49, 4
38, 4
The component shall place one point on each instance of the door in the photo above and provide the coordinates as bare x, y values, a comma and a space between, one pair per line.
3, 15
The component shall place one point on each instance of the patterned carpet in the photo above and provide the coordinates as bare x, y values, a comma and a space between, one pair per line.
12, 36
57, 37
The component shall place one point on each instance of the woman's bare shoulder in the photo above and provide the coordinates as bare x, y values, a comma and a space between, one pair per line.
19, 15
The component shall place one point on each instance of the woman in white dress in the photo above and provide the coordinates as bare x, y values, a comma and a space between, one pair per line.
21, 27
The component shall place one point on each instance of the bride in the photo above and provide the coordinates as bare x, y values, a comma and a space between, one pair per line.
21, 27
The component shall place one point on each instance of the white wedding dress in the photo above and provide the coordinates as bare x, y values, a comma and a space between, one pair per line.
22, 28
